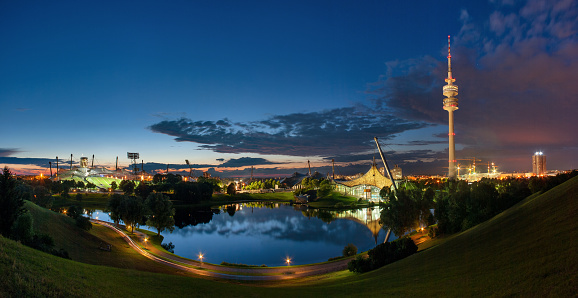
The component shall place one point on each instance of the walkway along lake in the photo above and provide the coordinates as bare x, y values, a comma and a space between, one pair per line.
269, 233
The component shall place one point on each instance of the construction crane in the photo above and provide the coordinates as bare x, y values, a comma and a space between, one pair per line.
190, 168
472, 164
391, 178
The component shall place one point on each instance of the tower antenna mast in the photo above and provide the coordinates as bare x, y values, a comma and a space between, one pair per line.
450, 91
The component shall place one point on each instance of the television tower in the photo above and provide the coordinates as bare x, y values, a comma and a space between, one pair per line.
450, 105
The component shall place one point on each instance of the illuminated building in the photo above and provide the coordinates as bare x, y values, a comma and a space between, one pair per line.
539, 164
450, 105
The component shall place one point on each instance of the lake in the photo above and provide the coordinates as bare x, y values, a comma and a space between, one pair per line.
268, 233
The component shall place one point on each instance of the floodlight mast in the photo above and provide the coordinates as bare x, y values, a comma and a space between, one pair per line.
134, 156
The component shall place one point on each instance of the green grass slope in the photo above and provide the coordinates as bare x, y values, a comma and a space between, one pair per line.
529, 250
84, 246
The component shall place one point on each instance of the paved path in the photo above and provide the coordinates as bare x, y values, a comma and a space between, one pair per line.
212, 270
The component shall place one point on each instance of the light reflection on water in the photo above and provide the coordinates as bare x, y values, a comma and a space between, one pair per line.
261, 235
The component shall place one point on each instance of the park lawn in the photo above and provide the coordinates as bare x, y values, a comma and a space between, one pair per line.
528, 250
333, 199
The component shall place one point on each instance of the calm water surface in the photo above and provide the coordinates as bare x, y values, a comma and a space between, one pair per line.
254, 234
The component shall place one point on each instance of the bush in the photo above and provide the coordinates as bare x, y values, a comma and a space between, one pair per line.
338, 205
74, 211
349, 250
83, 223
383, 254
433, 232
79, 197
359, 265
22, 229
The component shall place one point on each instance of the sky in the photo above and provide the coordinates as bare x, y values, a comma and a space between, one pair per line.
230, 85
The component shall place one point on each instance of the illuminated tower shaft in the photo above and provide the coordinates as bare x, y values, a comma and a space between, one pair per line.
450, 105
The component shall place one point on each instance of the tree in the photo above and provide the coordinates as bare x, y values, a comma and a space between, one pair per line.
162, 212
113, 185
132, 211
83, 223
127, 186
349, 250
22, 229
325, 188
143, 190
215, 183
11, 204
231, 189
42, 198
115, 207
80, 184
74, 211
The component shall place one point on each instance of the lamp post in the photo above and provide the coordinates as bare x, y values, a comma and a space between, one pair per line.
201, 258
288, 261
145, 241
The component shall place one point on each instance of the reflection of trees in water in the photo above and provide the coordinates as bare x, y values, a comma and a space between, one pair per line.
89, 212
231, 209
186, 216
324, 215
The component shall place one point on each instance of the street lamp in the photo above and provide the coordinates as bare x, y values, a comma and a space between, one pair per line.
201, 258
145, 240
288, 261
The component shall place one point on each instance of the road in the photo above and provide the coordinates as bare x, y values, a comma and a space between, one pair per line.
212, 270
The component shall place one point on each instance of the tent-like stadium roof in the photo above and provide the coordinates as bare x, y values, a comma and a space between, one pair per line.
372, 177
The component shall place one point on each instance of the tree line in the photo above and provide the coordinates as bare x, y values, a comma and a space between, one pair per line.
315, 188
457, 205
155, 211
16, 222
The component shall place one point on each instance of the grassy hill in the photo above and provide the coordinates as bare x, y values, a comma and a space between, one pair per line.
530, 249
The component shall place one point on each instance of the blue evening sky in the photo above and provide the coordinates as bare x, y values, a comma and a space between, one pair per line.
108, 77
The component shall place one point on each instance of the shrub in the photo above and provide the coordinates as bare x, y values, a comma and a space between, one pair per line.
433, 232
383, 254
74, 211
359, 265
83, 223
22, 229
349, 250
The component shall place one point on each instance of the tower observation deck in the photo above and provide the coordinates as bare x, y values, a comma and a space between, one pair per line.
450, 91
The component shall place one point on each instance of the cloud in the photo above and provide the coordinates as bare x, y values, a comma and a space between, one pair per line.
41, 162
5, 152
245, 161
336, 131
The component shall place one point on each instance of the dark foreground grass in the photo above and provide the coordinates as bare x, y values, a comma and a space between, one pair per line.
528, 250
